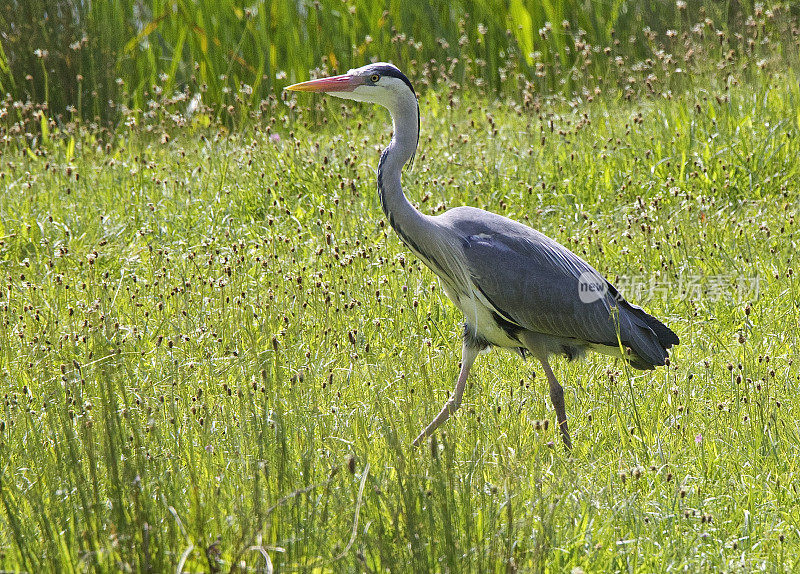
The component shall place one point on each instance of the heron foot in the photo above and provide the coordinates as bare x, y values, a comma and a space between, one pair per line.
565, 435
468, 354
557, 398
449, 408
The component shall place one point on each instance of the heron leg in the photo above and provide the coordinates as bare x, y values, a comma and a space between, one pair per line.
468, 354
557, 397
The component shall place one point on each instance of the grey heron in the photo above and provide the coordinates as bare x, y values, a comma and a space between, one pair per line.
516, 287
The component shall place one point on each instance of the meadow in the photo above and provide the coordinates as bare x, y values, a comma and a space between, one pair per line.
215, 352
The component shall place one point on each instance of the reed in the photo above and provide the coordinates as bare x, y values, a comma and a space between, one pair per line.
87, 59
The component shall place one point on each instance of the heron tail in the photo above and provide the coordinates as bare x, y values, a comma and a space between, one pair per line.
648, 338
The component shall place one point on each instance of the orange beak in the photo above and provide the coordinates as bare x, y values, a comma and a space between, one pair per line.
343, 83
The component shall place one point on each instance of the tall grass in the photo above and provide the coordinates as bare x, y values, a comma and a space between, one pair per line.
215, 353
88, 59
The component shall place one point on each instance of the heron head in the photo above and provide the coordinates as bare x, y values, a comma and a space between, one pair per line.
380, 83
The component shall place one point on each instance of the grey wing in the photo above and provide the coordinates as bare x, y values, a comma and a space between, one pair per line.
539, 285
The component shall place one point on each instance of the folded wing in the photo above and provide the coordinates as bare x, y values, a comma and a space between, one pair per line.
541, 286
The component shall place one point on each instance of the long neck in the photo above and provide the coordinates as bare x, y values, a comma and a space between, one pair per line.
403, 217
419, 232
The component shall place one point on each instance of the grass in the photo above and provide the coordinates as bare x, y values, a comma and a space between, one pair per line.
216, 353
73, 58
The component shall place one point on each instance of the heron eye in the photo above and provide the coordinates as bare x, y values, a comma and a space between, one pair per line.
374, 78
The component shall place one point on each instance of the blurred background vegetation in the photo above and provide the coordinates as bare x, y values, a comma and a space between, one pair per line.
96, 60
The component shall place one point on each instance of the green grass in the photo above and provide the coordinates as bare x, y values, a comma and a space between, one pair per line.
214, 350
74, 57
